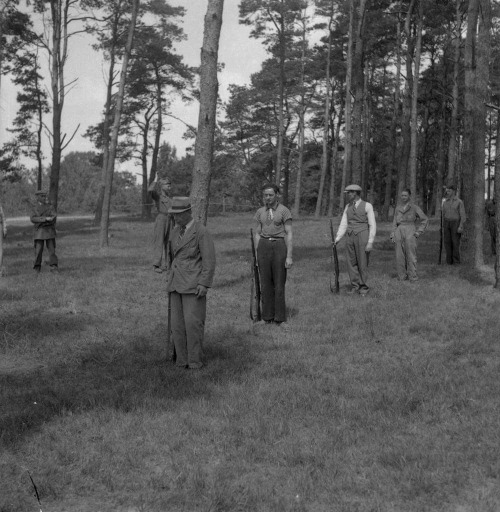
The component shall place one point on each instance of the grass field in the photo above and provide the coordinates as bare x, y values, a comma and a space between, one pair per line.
386, 403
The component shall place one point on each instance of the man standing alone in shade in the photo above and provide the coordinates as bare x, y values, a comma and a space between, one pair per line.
453, 212
160, 193
190, 275
358, 221
273, 242
44, 218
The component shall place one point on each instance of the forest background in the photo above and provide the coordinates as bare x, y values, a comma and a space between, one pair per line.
388, 94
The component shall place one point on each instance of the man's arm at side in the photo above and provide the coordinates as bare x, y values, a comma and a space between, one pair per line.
372, 225
342, 227
288, 243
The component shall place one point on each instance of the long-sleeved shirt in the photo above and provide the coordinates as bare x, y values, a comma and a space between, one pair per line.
372, 225
408, 214
454, 209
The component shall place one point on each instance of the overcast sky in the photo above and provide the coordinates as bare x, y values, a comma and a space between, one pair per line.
240, 54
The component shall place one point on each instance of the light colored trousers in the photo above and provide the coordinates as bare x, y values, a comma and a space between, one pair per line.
357, 261
188, 314
406, 252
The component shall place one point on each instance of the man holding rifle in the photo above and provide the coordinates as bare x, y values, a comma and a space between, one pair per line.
273, 242
358, 221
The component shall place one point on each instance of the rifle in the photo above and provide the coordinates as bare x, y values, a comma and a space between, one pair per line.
441, 237
255, 294
334, 280
171, 354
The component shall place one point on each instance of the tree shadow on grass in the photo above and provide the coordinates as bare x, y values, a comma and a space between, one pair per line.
135, 376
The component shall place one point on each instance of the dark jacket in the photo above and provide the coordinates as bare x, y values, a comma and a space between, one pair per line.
44, 230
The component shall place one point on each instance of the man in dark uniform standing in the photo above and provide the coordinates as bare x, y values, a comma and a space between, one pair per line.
273, 241
44, 218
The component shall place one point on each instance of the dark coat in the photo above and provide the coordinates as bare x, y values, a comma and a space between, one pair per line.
44, 230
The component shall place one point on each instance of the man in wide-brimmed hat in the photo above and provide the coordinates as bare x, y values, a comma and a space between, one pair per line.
358, 221
191, 274
44, 218
160, 193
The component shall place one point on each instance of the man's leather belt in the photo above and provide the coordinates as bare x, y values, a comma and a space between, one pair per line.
271, 239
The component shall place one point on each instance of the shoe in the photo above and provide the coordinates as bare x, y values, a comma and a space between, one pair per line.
158, 270
350, 291
195, 366
54, 268
363, 292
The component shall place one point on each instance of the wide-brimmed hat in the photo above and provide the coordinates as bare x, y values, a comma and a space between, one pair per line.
179, 205
353, 188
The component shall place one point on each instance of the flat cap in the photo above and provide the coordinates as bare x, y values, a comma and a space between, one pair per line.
179, 205
354, 188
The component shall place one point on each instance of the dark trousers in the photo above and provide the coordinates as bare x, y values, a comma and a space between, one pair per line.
271, 256
51, 247
451, 241
493, 233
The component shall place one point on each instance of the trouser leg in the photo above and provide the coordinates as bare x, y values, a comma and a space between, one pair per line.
400, 254
279, 278
265, 261
159, 239
357, 263
447, 241
455, 241
51, 247
38, 244
178, 329
1, 249
493, 234
411, 252
195, 310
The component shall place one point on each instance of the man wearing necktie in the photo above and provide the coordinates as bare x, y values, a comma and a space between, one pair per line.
358, 221
191, 273
273, 242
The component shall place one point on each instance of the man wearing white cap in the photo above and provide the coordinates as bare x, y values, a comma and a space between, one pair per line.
358, 221
191, 274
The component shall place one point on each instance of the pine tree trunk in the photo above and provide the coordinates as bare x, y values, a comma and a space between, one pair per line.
496, 195
326, 126
394, 123
414, 106
346, 169
204, 146
452, 145
106, 207
476, 63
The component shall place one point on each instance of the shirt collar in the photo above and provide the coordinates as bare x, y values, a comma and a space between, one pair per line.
273, 208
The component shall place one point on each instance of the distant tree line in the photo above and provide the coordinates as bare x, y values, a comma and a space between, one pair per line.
390, 94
